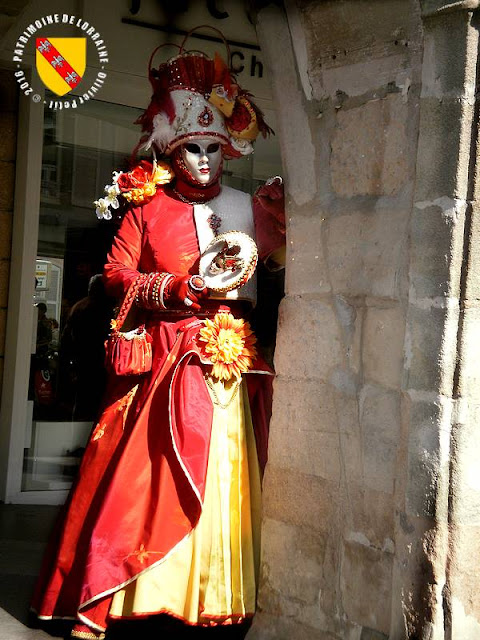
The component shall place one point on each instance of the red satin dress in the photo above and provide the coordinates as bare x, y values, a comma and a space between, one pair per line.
141, 485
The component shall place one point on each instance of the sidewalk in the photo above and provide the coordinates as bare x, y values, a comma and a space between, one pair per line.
23, 534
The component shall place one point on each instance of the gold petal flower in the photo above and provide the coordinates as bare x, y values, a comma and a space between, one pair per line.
162, 173
228, 343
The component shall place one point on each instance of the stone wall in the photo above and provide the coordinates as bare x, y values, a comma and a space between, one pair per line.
375, 105
8, 141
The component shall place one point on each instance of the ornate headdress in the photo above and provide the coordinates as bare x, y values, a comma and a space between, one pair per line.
194, 95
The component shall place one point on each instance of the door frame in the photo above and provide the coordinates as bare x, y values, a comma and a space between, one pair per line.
14, 413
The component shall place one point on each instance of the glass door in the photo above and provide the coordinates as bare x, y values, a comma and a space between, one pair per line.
80, 151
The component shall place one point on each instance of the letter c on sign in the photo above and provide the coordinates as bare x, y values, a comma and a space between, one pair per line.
241, 67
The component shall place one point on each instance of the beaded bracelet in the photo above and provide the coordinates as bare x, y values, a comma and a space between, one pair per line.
158, 299
165, 281
152, 291
141, 298
156, 286
146, 290
139, 294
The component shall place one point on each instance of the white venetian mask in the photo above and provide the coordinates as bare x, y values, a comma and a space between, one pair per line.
203, 157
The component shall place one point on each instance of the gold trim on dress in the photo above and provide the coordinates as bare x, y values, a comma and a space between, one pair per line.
87, 635
216, 399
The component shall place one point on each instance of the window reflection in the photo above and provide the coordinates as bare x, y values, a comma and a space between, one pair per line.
72, 314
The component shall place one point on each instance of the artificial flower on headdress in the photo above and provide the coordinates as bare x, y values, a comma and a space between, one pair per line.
224, 90
137, 186
228, 344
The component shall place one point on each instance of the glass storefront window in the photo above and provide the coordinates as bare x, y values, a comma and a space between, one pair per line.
80, 151
81, 148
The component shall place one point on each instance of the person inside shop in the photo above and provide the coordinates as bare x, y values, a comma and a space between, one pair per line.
44, 330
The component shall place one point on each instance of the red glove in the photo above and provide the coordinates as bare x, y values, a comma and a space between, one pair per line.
269, 217
271, 196
179, 293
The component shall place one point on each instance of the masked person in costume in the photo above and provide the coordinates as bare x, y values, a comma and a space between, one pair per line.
165, 515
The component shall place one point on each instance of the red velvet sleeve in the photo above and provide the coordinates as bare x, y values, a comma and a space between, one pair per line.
122, 261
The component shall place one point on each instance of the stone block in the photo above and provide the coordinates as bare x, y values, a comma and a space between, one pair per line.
7, 181
8, 136
308, 339
346, 406
351, 318
370, 149
362, 77
465, 454
444, 125
380, 429
449, 55
383, 345
436, 248
351, 457
428, 451
298, 499
371, 517
419, 560
469, 371
464, 576
304, 429
430, 348
366, 578
367, 253
311, 452
307, 271
306, 405
472, 274
315, 429
292, 560
339, 34
4, 282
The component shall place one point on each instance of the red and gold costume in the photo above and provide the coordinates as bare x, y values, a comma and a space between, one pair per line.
143, 481
165, 514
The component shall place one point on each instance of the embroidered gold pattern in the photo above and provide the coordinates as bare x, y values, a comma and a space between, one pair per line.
141, 554
99, 431
125, 404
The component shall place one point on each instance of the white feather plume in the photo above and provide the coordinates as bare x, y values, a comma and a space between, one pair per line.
163, 132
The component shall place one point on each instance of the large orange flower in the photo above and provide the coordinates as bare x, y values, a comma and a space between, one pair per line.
228, 343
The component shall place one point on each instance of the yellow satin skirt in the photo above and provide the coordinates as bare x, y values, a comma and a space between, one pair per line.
211, 576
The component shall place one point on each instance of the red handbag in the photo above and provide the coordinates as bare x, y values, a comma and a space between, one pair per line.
128, 353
